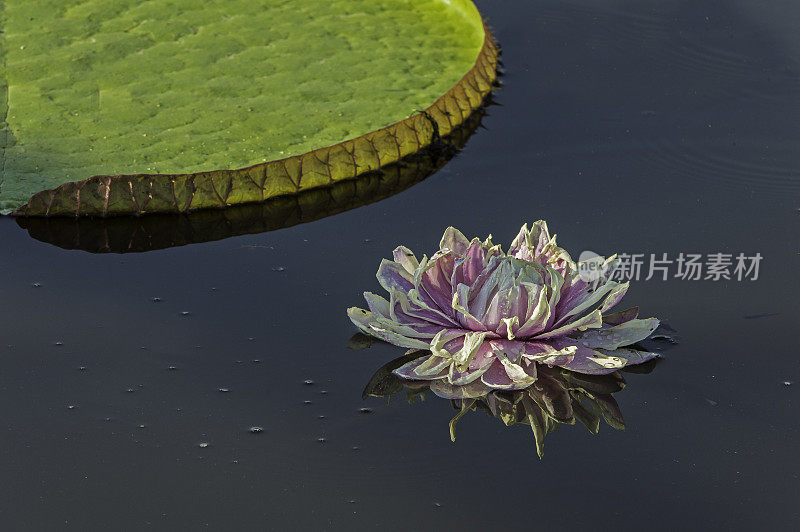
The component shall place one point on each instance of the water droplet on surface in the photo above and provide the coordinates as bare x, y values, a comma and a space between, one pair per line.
72, 407
322, 440
365, 410
356, 448
320, 417
251, 338
155, 299
308, 382
256, 430
172, 368
58, 343
323, 392
224, 390
185, 313
787, 383
81, 368
278, 269
130, 390
142, 426
37, 285
203, 444
306, 402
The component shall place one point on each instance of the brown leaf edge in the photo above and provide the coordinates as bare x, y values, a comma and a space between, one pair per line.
140, 194
135, 234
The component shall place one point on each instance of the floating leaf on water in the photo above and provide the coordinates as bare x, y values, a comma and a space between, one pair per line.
138, 135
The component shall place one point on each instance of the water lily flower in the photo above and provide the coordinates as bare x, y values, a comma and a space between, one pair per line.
480, 313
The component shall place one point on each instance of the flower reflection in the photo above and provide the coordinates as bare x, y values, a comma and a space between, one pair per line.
557, 397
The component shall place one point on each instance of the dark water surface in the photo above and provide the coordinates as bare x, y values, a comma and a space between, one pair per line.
639, 127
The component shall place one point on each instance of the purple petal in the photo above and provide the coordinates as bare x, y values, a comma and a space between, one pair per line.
529, 244
406, 371
589, 361
591, 320
377, 304
462, 311
467, 270
371, 325
405, 257
470, 391
496, 377
435, 281
615, 336
455, 241
392, 276
618, 318
403, 312
483, 357
461, 378
614, 297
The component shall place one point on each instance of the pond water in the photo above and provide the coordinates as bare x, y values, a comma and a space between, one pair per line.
133, 385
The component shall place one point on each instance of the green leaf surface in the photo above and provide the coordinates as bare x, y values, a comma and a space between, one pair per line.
131, 234
177, 105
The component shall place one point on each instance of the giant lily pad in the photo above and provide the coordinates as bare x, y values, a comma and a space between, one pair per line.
131, 107
128, 234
